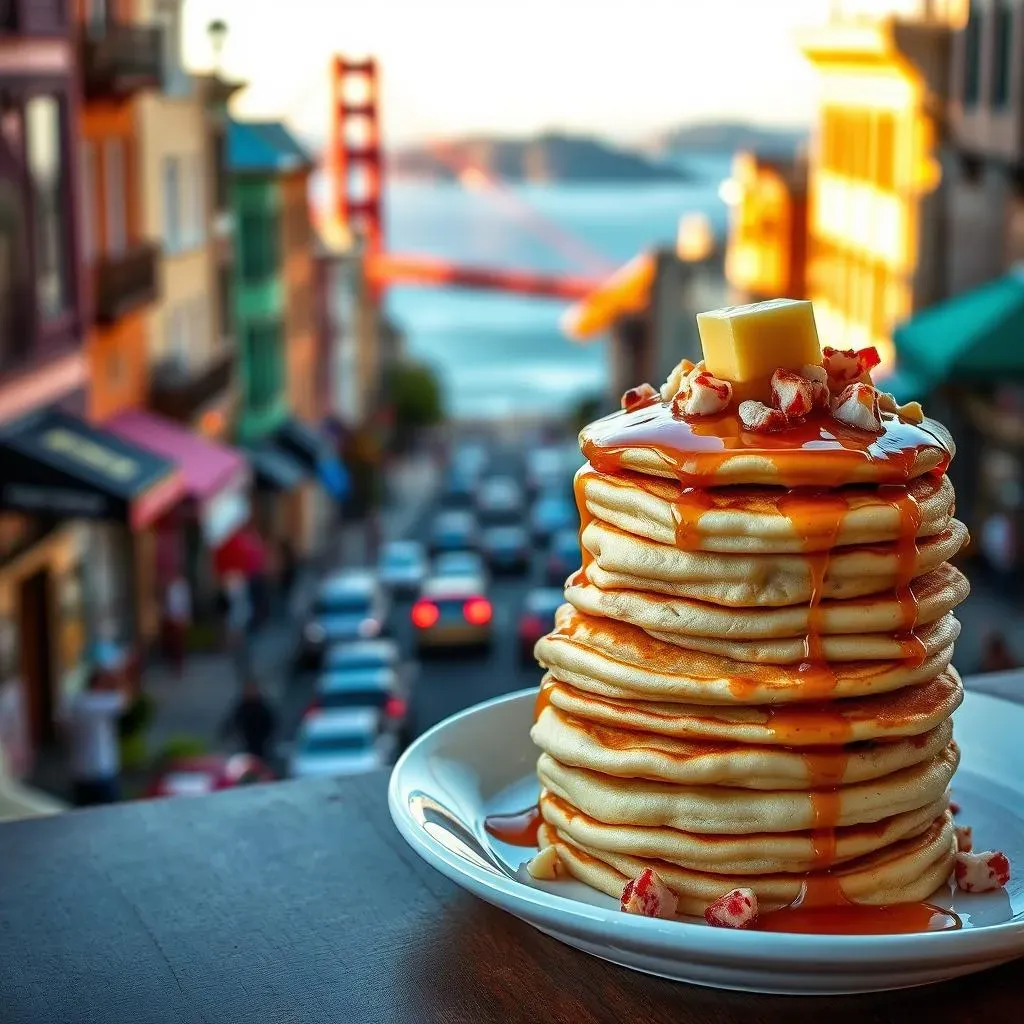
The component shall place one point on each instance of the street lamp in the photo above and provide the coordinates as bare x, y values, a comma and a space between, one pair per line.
217, 30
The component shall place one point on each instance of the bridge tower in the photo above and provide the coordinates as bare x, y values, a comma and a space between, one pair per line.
356, 161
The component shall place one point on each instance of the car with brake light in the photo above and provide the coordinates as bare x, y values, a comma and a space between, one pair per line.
453, 611
537, 619
349, 605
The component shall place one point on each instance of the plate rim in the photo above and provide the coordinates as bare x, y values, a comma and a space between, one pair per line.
699, 942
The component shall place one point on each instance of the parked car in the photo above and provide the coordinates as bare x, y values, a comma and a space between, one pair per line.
499, 499
402, 566
553, 511
454, 530
344, 742
453, 611
564, 556
380, 689
208, 773
362, 654
349, 605
537, 619
506, 548
545, 469
459, 563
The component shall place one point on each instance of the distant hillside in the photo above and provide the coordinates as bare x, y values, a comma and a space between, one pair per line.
545, 158
729, 136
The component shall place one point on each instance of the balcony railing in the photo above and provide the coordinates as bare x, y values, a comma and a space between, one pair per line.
122, 59
179, 391
125, 283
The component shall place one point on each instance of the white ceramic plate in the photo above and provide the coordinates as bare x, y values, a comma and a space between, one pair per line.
481, 762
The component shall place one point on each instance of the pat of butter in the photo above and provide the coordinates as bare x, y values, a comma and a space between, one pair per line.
747, 344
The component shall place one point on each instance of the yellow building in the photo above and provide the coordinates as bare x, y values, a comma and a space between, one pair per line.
875, 219
767, 251
190, 357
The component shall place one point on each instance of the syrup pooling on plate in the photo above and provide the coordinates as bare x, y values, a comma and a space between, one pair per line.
517, 829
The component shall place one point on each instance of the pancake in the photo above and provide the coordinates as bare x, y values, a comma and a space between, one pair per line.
761, 853
904, 872
911, 711
612, 659
636, 755
624, 562
930, 597
751, 520
721, 810
715, 450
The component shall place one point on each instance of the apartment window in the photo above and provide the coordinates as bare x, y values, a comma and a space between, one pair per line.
194, 228
90, 242
14, 274
260, 244
1002, 63
265, 379
885, 150
972, 55
172, 203
43, 117
116, 196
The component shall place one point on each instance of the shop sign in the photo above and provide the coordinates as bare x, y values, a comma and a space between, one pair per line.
60, 501
84, 450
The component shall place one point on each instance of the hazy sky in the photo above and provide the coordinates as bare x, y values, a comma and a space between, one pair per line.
623, 68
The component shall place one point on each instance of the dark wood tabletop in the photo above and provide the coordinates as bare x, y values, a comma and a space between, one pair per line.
299, 902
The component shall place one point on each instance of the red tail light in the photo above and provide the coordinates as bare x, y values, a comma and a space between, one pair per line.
477, 611
531, 626
312, 706
394, 707
424, 614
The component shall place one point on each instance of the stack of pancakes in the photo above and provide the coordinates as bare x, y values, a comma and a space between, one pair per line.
750, 684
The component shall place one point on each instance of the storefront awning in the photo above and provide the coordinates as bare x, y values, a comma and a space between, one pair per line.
274, 468
314, 451
973, 338
626, 292
206, 466
53, 463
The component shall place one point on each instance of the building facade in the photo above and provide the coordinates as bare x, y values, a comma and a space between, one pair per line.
876, 218
767, 250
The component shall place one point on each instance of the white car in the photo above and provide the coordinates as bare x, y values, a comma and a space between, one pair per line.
342, 742
402, 566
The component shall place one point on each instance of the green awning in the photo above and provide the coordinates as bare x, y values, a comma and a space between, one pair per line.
977, 337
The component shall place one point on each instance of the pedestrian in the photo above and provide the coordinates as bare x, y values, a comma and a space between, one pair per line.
177, 619
92, 720
237, 621
252, 719
996, 655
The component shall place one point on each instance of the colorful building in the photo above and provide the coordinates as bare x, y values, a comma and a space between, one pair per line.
279, 411
875, 217
767, 251
62, 324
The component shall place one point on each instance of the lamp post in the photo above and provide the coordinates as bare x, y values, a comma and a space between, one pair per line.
217, 30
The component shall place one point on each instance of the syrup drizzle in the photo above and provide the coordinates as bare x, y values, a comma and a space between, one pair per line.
517, 829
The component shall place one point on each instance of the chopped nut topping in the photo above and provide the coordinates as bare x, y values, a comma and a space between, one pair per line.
736, 909
761, 418
545, 866
857, 406
637, 397
647, 894
964, 839
702, 395
981, 872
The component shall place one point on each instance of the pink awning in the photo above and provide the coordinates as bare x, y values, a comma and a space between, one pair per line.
206, 467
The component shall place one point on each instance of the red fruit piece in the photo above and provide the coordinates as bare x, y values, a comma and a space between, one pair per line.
649, 896
736, 909
635, 398
844, 365
964, 838
702, 394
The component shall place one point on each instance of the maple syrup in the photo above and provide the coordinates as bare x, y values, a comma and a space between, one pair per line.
517, 829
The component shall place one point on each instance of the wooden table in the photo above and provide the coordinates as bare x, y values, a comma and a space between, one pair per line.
299, 902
